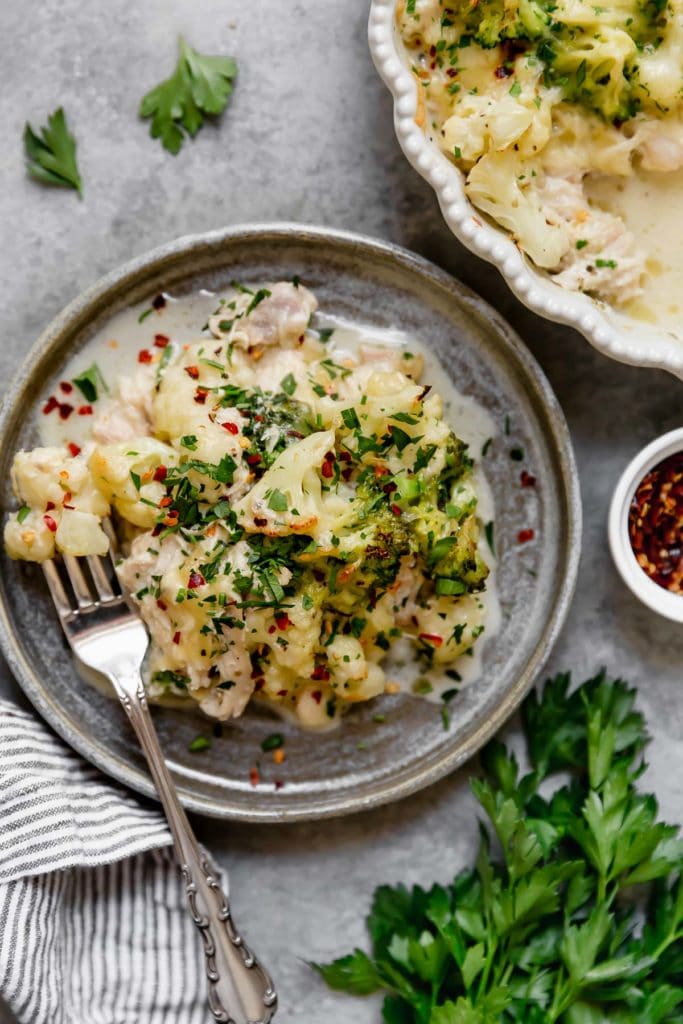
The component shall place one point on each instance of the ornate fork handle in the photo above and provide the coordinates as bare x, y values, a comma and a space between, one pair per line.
240, 990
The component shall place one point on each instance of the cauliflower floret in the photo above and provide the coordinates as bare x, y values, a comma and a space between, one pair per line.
289, 497
64, 507
485, 122
126, 476
80, 533
30, 539
494, 186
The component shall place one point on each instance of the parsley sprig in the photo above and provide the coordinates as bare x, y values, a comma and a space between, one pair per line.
51, 156
199, 87
573, 911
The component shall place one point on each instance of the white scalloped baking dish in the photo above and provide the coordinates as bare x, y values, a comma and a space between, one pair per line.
615, 334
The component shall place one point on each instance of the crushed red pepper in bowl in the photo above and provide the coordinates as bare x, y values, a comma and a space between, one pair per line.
655, 523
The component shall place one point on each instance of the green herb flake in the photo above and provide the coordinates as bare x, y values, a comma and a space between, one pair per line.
23, 513
273, 742
288, 384
89, 381
277, 501
490, 540
198, 744
582, 243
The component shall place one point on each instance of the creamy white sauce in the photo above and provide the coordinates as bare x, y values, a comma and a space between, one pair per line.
650, 205
115, 349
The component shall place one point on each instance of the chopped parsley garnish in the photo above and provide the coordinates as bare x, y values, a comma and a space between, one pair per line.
89, 381
288, 384
23, 513
272, 742
198, 744
189, 441
277, 501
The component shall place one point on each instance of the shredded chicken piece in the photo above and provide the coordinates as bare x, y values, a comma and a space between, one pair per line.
603, 258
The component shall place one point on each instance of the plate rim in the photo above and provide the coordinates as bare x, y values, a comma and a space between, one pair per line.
110, 286
531, 286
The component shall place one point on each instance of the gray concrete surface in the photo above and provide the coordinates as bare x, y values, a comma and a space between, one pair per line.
307, 138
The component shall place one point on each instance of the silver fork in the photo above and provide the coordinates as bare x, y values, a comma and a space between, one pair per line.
107, 635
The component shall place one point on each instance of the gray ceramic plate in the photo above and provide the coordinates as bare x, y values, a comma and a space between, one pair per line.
363, 763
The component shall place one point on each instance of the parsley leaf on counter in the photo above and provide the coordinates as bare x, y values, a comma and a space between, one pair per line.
200, 86
51, 156
573, 910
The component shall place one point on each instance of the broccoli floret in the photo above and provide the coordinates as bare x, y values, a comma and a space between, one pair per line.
379, 535
441, 514
492, 22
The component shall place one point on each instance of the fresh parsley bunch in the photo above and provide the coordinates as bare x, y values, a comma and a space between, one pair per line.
573, 911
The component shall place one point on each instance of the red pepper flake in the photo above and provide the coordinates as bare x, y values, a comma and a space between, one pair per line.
279, 783
320, 673
85, 410
159, 301
161, 604
200, 396
502, 71
344, 455
253, 460
50, 523
525, 535
67, 498
389, 488
432, 638
165, 502
254, 776
50, 505
50, 405
259, 684
157, 530
65, 410
396, 510
283, 621
526, 479
171, 518
144, 356
327, 469
71, 507
161, 340
176, 637
196, 580
317, 696
73, 449
231, 428
260, 521
160, 474
655, 524
192, 371
271, 629
66, 387
282, 693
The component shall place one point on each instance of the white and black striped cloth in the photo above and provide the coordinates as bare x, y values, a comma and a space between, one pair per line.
93, 923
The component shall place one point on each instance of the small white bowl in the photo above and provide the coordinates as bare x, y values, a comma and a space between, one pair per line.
650, 593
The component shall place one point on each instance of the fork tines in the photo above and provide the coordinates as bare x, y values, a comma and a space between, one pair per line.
87, 579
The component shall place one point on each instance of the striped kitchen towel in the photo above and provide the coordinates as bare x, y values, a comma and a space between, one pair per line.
93, 922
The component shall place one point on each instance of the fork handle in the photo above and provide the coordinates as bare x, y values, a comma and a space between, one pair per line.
240, 990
